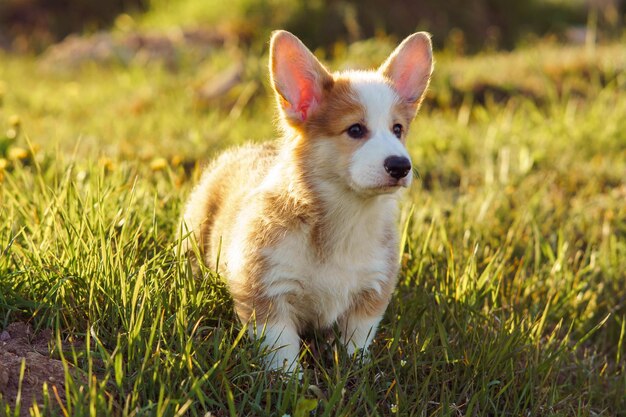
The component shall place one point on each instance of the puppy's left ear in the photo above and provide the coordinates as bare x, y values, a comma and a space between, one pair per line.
297, 77
409, 67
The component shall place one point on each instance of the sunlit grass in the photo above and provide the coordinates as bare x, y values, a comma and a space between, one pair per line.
511, 294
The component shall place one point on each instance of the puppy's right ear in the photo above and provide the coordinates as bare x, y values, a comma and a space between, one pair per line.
409, 67
297, 77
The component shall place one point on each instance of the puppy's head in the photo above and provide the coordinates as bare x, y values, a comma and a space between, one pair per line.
351, 126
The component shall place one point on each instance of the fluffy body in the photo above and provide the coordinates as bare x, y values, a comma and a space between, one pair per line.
305, 229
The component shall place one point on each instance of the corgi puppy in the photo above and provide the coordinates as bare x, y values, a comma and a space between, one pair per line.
305, 229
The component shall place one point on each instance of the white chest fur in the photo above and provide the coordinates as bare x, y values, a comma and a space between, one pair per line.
320, 290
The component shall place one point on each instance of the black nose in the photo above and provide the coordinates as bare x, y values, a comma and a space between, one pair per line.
397, 166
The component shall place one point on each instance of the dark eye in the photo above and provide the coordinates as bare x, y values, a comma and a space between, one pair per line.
356, 131
397, 130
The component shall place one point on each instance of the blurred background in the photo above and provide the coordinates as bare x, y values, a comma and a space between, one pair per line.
465, 26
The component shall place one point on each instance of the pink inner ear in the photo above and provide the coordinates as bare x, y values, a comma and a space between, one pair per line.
301, 88
308, 100
302, 101
405, 84
411, 78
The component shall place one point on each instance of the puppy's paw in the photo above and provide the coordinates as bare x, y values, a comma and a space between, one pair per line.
288, 373
362, 355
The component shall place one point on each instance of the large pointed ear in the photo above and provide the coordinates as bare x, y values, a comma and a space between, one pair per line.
297, 77
409, 67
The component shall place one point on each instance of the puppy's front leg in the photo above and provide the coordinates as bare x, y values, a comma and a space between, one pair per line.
282, 344
358, 331
358, 326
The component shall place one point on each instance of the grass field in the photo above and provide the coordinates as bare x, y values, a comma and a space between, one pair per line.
512, 294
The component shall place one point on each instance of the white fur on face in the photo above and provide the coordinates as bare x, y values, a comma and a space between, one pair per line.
367, 169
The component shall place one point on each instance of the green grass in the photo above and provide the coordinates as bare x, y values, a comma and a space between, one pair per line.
511, 295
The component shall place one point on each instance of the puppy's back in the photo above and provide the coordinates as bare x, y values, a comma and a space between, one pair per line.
213, 205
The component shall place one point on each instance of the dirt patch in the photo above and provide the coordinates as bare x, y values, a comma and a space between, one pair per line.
18, 344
